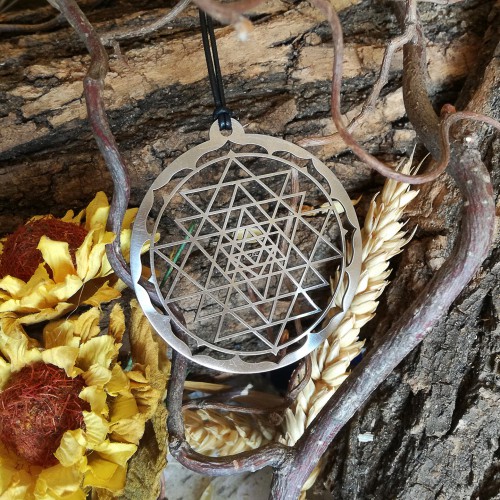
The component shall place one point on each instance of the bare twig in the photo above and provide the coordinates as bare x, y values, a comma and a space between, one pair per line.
383, 77
93, 85
55, 22
19, 29
227, 13
206, 404
266, 401
39, 13
441, 132
126, 34
269, 455
472, 248
108, 39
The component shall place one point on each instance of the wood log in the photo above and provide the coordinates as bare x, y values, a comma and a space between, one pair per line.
435, 421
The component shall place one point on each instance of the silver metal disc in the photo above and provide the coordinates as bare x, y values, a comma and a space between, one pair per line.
256, 243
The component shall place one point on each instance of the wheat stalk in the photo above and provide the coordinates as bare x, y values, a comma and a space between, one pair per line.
219, 434
383, 237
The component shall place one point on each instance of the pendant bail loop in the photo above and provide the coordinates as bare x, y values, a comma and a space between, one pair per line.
223, 115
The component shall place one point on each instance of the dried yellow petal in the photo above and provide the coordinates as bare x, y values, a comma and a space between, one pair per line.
56, 255
96, 429
72, 448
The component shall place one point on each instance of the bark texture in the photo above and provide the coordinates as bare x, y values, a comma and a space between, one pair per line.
435, 420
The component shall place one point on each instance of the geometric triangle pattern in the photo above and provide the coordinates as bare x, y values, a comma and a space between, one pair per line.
258, 277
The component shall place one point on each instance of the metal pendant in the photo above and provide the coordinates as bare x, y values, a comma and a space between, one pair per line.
255, 252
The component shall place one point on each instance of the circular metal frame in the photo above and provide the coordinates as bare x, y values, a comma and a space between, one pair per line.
141, 235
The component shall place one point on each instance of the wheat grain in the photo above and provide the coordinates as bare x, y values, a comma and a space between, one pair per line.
383, 237
219, 434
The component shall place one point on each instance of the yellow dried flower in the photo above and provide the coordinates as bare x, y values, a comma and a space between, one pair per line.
71, 269
117, 403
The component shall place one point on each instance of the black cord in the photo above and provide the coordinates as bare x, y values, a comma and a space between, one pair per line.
221, 113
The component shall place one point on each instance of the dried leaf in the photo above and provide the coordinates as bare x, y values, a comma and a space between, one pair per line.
117, 322
146, 466
148, 348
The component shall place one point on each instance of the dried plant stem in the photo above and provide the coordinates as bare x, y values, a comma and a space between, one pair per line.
18, 29
383, 238
442, 154
383, 77
126, 34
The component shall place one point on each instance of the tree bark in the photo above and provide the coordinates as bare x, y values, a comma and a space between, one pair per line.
435, 420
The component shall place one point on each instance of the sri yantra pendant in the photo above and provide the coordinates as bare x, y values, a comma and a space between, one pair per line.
259, 251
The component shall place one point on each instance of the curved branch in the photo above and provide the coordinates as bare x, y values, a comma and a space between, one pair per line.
123, 34
441, 131
273, 455
383, 77
39, 13
471, 248
107, 39
93, 85
270, 455
59, 20
470, 251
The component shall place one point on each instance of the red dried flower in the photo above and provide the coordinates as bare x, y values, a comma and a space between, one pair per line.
37, 406
20, 257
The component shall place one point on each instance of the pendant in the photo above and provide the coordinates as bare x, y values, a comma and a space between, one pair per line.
255, 252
